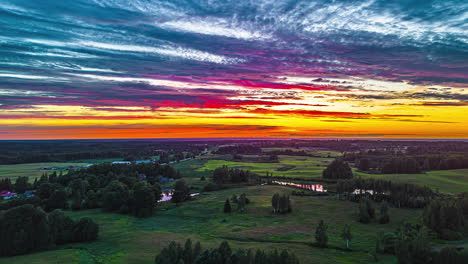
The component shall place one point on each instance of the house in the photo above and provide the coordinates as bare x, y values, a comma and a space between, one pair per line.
28, 194
6, 195
121, 162
162, 179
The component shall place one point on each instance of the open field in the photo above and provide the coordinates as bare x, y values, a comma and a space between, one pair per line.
125, 239
32, 170
289, 166
447, 181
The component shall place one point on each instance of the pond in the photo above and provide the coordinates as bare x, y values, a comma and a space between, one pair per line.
167, 195
312, 187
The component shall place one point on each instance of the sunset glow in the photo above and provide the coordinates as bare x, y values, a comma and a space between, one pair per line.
174, 69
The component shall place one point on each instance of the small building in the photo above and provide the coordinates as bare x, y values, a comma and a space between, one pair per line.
6, 195
121, 162
142, 177
28, 194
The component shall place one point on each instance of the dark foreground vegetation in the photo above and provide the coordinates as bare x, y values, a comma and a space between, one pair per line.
188, 254
27, 228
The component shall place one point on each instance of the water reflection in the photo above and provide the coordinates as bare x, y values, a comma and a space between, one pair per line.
312, 187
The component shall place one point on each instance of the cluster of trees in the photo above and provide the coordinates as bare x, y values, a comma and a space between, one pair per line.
338, 169
241, 202
225, 174
401, 165
290, 152
410, 244
281, 203
117, 188
20, 186
27, 228
175, 253
321, 236
367, 212
446, 217
397, 194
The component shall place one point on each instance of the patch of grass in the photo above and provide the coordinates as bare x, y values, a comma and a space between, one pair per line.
446, 181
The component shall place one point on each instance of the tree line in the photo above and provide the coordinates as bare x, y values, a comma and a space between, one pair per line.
397, 194
175, 253
225, 174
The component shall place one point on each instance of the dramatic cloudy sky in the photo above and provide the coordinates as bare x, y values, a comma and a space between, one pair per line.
241, 68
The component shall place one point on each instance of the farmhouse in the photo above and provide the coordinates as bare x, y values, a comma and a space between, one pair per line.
6, 195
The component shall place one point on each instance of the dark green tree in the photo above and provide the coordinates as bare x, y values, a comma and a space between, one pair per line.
384, 217
338, 169
364, 216
346, 235
23, 229
181, 192
227, 206
22, 185
85, 230
321, 236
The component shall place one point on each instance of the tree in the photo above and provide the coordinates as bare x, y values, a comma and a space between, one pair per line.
187, 255
181, 192
85, 230
227, 206
275, 202
60, 226
412, 246
76, 201
321, 236
364, 216
346, 235
44, 190
364, 164
58, 200
21, 184
115, 196
384, 217
281, 203
22, 230
144, 199
241, 203
234, 198
338, 169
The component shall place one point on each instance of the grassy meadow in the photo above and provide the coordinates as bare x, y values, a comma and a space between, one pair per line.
32, 170
445, 181
126, 239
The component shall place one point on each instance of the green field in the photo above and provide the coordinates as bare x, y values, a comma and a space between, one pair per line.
32, 170
289, 166
446, 181
125, 239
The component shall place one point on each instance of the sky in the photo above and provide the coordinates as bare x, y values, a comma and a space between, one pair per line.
244, 68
